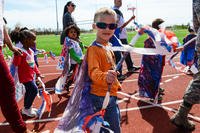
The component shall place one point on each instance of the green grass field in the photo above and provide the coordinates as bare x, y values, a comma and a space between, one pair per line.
52, 42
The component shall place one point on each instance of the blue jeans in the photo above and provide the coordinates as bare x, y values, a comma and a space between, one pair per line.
112, 114
31, 93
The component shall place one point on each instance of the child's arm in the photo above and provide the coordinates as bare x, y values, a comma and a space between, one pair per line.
81, 45
127, 22
74, 56
179, 49
36, 70
95, 72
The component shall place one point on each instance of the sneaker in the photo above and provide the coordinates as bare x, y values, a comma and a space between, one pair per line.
121, 77
189, 72
133, 69
153, 100
66, 87
32, 112
161, 91
37, 83
160, 98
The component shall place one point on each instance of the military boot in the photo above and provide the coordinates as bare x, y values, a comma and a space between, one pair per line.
180, 119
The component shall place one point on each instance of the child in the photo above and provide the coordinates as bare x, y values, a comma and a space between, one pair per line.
188, 54
151, 69
35, 50
96, 74
27, 69
73, 47
100, 67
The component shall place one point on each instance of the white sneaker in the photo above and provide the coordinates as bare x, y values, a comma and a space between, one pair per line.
32, 112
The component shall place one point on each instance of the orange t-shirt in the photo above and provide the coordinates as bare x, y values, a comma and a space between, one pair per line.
98, 66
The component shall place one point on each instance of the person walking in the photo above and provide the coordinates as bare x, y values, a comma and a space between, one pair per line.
123, 36
192, 94
67, 19
8, 102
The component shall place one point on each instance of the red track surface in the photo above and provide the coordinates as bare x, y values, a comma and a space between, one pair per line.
137, 116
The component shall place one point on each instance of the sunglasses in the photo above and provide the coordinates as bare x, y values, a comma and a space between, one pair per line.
73, 5
102, 25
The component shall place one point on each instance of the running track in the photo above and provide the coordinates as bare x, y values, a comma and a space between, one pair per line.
137, 115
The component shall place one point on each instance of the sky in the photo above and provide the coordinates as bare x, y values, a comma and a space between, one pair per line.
42, 13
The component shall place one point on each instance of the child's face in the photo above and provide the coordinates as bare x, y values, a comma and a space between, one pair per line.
30, 42
72, 34
105, 27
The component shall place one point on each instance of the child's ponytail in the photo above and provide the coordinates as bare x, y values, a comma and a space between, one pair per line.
15, 35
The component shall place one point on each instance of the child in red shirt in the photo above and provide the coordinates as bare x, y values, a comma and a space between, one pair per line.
27, 69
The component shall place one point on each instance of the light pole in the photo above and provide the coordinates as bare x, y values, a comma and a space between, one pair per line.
56, 17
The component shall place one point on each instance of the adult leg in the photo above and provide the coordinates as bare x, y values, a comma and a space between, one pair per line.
8, 103
128, 60
191, 97
118, 56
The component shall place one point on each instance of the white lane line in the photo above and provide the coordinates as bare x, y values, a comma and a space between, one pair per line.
166, 76
166, 81
172, 75
46, 74
47, 131
175, 77
150, 106
122, 100
47, 66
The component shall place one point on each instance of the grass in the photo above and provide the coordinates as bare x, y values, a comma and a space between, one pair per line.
52, 42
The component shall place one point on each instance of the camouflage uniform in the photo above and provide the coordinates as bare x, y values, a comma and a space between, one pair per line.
192, 94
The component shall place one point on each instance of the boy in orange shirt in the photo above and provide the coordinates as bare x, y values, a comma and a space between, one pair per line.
101, 67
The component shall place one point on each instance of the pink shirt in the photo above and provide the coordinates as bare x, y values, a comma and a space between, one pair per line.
26, 66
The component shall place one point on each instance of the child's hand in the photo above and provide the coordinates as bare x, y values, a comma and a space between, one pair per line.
179, 49
133, 17
85, 47
141, 31
111, 76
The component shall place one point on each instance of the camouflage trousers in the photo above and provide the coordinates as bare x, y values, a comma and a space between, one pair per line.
192, 93
196, 23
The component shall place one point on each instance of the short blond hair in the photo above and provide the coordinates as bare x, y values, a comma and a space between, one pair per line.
104, 11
